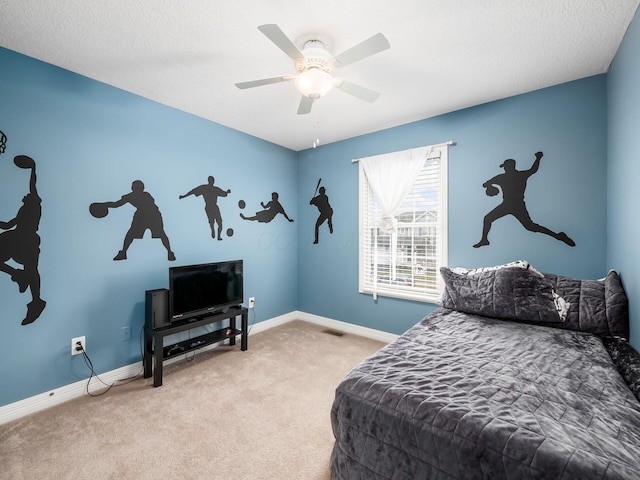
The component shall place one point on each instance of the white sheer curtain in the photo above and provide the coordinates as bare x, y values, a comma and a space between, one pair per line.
391, 176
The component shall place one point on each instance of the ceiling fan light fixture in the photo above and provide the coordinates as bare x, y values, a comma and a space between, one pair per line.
314, 83
314, 65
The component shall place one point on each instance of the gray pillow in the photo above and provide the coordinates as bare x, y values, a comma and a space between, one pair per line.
597, 306
508, 293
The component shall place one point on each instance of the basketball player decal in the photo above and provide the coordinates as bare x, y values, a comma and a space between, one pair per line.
146, 217
20, 242
513, 183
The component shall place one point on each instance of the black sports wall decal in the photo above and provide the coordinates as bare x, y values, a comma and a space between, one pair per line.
20, 241
210, 193
271, 209
326, 212
513, 183
146, 217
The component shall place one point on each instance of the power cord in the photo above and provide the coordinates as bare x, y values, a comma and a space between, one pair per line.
251, 324
117, 383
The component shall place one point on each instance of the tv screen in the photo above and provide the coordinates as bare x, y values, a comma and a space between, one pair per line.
195, 290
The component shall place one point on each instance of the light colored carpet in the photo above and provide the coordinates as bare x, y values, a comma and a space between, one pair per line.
259, 414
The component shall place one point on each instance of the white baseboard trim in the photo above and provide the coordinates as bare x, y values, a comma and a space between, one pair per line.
48, 399
347, 327
272, 322
42, 401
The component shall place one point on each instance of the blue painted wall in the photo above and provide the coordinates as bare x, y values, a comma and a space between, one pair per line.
624, 169
568, 193
90, 141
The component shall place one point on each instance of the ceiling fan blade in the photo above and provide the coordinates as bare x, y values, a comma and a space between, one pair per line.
358, 91
364, 49
264, 81
277, 36
305, 105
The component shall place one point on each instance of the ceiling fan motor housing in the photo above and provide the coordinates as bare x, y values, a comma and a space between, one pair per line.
315, 56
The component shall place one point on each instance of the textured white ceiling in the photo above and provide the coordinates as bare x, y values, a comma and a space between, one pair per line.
445, 54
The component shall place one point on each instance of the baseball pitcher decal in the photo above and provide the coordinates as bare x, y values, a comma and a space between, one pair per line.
513, 183
146, 217
20, 241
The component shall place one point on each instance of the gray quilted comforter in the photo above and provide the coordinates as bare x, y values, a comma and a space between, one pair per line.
461, 396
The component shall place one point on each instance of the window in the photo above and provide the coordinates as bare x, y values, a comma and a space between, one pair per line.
401, 256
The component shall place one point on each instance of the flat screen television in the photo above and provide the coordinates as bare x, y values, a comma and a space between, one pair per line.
207, 288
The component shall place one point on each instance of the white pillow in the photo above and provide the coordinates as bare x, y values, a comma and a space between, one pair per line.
518, 263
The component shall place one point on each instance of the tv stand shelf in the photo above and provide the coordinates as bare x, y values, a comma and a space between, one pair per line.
155, 352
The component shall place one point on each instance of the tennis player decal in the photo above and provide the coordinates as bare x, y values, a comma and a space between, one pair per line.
513, 183
146, 217
20, 241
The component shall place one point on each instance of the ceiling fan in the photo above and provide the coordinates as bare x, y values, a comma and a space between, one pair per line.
314, 65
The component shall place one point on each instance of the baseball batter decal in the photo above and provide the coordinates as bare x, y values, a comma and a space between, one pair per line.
146, 217
321, 201
513, 183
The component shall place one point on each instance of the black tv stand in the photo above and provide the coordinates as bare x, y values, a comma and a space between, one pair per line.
155, 352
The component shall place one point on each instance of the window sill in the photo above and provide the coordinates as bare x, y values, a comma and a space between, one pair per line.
415, 297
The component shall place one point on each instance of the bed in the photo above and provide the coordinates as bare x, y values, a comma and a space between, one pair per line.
518, 375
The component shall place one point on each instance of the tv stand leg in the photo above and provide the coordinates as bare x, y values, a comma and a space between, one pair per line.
245, 331
233, 322
157, 361
147, 358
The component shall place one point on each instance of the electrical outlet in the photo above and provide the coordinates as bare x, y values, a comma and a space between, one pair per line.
75, 345
252, 302
126, 333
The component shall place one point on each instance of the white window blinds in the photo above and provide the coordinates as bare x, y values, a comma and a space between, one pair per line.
403, 241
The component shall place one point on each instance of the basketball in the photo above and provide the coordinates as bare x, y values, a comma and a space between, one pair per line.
241, 204
23, 161
98, 210
492, 190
